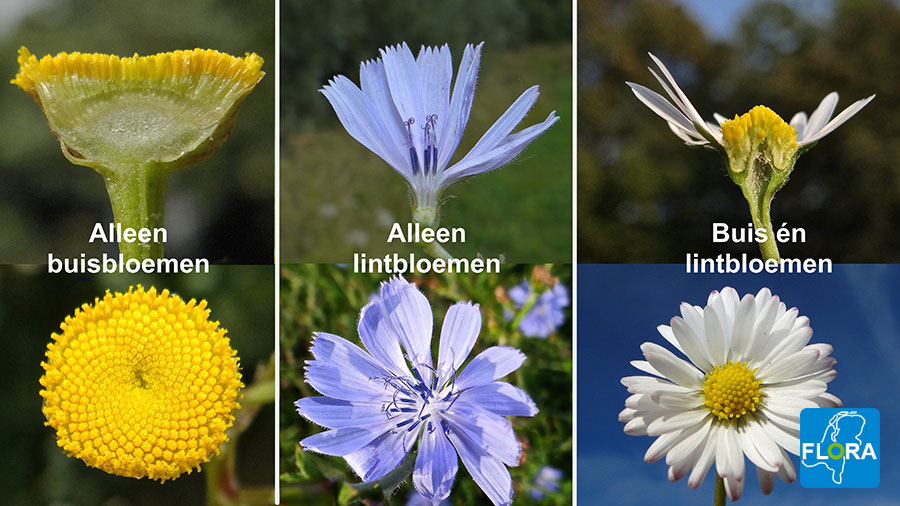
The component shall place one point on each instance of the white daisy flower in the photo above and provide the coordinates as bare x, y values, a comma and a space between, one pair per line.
760, 149
759, 134
748, 375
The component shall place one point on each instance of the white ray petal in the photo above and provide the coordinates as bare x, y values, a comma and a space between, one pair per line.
837, 121
687, 106
822, 114
687, 138
677, 422
799, 124
663, 108
672, 367
706, 458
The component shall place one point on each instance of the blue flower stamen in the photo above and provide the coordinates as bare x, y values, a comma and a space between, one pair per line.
430, 142
413, 156
458, 394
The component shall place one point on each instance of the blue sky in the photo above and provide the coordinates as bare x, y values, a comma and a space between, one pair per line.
719, 17
856, 310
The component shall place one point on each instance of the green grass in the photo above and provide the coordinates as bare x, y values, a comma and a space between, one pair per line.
337, 198
328, 299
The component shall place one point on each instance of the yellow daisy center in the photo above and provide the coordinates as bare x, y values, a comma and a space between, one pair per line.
759, 133
141, 384
731, 391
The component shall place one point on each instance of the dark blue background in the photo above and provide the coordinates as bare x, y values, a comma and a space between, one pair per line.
856, 310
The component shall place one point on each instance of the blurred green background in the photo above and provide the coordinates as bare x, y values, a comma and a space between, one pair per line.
338, 198
328, 299
643, 196
34, 471
221, 209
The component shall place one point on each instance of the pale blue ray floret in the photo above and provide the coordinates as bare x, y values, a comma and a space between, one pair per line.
378, 401
404, 113
416, 499
546, 315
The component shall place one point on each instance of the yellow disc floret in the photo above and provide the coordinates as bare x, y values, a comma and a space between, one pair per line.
141, 384
731, 391
759, 133
115, 113
188, 64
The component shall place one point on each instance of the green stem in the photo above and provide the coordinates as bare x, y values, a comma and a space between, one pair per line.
719, 497
529, 303
436, 250
428, 217
138, 198
761, 219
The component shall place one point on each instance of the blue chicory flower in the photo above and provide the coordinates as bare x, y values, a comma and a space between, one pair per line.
379, 401
546, 480
546, 315
404, 113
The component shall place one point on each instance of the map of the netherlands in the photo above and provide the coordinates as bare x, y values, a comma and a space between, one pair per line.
839, 447
838, 431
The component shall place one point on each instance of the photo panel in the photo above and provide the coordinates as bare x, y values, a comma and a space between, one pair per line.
682, 376
700, 124
150, 115
450, 389
456, 117
138, 389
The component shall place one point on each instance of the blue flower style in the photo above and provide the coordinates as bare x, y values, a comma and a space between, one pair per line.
379, 401
546, 315
403, 112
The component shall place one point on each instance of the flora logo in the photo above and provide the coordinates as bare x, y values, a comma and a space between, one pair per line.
839, 448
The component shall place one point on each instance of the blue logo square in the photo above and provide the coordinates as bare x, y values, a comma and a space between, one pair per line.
840, 447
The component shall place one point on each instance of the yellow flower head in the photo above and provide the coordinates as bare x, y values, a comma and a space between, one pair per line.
111, 113
141, 384
759, 135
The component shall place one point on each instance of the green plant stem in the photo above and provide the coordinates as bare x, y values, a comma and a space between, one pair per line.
138, 198
529, 303
429, 218
761, 219
436, 250
719, 496
222, 486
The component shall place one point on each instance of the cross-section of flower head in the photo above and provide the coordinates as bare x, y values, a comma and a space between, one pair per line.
112, 114
546, 315
141, 384
759, 147
748, 374
379, 401
757, 137
403, 112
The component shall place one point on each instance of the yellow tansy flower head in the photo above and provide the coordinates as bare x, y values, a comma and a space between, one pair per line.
113, 113
141, 384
